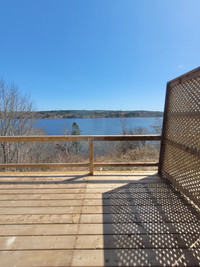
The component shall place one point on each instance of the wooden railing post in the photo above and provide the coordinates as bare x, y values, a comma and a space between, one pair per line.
91, 156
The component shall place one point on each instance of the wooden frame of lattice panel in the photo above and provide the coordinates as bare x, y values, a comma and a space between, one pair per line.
180, 146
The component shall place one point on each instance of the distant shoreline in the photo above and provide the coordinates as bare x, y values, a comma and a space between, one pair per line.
93, 114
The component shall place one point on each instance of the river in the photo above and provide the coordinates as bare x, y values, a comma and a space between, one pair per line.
100, 126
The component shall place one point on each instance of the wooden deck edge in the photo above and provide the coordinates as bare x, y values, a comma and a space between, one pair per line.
76, 172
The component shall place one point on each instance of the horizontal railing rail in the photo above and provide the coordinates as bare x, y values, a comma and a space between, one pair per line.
89, 138
63, 138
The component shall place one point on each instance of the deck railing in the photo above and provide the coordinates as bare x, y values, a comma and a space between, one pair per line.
90, 139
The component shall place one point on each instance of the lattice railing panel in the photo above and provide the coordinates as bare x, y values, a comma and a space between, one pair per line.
181, 130
180, 146
184, 97
184, 167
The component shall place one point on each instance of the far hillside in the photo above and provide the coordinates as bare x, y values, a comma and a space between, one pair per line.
94, 114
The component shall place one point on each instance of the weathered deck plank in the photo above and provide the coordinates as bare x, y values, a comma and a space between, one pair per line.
104, 220
67, 242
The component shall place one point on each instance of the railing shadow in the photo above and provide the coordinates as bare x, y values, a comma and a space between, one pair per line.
75, 178
72, 179
149, 224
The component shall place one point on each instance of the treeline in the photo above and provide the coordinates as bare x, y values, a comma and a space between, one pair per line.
94, 114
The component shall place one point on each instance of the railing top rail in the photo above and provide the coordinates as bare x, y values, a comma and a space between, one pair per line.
61, 138
189, 75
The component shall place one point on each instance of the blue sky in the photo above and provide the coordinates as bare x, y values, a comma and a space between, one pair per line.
98, 54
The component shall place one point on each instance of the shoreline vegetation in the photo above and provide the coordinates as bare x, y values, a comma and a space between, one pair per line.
92, 114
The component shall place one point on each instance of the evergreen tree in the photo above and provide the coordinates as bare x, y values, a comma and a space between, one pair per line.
76, 145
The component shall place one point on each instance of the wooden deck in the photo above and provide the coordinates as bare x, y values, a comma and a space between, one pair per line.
100, 220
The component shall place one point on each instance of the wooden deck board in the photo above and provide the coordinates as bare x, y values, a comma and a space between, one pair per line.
102, 220
38, 229
70, 242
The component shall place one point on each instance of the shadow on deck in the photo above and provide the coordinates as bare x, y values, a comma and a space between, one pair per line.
150, 225
101, 220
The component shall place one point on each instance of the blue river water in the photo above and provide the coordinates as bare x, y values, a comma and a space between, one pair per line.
100, 126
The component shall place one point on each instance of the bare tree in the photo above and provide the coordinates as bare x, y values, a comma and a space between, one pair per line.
123, 125
157, 127
15, 110
37, 152
64, 148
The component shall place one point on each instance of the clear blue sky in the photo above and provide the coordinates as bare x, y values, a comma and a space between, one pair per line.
98, 54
